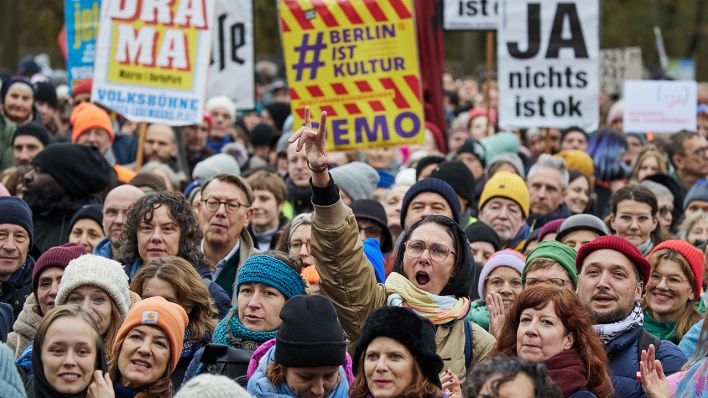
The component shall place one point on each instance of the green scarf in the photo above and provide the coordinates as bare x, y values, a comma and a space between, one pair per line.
662, 330
479, 314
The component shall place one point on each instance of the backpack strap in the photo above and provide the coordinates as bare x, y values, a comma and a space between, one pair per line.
646, 338
468, 344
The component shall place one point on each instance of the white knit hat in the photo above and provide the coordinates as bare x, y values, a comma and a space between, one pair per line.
211, 386
224, 102
98, 271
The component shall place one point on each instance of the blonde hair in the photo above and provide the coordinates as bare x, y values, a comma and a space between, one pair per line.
687, 224
647, 152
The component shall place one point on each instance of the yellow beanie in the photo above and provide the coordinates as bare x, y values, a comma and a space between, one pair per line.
577, 160
506, 185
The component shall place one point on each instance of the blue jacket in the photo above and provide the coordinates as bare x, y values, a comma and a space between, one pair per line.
217, 293
690, 339
103, 249
624, 363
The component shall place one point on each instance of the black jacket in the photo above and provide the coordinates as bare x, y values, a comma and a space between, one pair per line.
15, 290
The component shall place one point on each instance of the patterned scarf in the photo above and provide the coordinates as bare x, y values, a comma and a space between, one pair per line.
230, 331
437, 309
608, 332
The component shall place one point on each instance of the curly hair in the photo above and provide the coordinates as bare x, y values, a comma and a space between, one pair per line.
180, 212
190, 291
575, 320
501, 369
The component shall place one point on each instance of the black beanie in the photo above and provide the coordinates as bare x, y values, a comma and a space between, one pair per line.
481, 232
476, 149
80, 169
35, 129
14, 210
427, 161
310, 334
437, 186
279, 111
460, 178
404, 326
47, 93
263, 135
91, 212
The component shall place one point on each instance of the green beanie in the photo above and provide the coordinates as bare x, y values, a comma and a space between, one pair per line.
554, 250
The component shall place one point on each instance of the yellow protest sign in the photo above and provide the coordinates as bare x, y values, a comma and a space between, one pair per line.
358, 61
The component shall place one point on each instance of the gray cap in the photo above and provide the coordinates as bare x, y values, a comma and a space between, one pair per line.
357, 179
585, 222
699, 191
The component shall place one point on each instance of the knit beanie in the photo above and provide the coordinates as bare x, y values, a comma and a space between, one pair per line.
505, 258
92, 212
371, 209
693, 256
577, 160
214, 165
491, 114
310, 334
263, 135
475, 148
550, 227
156, 311
357, 179
510, 158
427, 161
506, 185
223, 102
82, 87
46, 92
407, 328
11, 82
80, 169
211, 386
88, 116
34, 129
10, 381
501, 142
278, 111
460, 178
699, 191
554, 250
272, 272
581, 222
14, 210
98, 271
618, 244
434, 185
481, 232
57, 256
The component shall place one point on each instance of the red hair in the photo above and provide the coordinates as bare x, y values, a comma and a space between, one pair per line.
575, 320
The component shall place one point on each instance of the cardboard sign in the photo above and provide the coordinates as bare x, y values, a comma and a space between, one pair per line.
618, 65
359, 62
152, 59
548, 54
659, 106
232, 67
471, 14
81, 19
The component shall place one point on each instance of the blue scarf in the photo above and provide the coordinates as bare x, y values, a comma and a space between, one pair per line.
230, 331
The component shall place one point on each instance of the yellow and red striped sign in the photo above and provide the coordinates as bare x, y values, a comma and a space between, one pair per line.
357, 60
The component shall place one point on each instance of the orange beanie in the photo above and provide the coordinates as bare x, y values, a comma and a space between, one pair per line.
88, 116
156, 311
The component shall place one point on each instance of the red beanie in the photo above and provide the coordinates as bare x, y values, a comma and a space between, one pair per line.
58, 256
691, 254
82, 87
618, 244
88, 116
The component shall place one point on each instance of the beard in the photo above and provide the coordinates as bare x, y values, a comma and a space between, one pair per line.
40, 199
613, 316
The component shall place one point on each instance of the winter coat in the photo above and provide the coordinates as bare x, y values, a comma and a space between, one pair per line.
7, 129
25, 326
15, 290
216, 292
690, 339
103, 249
624, 362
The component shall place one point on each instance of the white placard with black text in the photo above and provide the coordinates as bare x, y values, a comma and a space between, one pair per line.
471, 14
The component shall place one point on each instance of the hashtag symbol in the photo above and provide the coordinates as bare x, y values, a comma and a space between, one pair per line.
304, 49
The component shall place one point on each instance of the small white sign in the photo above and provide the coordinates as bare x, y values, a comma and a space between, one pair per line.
471, 15
659, 106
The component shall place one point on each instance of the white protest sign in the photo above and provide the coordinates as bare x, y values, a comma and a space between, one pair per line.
470, 14
548, 53
659, 106
231, 72
618, 65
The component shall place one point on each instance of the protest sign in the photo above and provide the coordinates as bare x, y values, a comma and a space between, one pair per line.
659, 106
81, 19
152, 59
359, 62
548, 53
618, 65
470, 14
232, 68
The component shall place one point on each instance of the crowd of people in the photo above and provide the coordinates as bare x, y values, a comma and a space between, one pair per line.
239, 257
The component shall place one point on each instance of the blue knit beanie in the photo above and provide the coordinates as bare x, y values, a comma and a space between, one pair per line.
272, 272
434, 185
699, 191
14, 210
10, 381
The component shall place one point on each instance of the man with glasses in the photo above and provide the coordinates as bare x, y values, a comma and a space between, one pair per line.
551, 263
224, 213
689, 155
115, 207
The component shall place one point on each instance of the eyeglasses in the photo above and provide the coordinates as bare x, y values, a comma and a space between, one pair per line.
437, 251
297, 246
664, 211
559, 282
699, 151
498, 283
672, 281
642, 219
371, 231
232, 206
